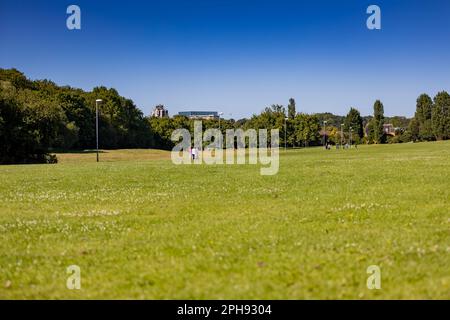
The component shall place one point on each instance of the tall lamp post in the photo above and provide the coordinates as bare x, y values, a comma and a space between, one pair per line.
351, 136
97, 102
220, 143
325, 133
285, 133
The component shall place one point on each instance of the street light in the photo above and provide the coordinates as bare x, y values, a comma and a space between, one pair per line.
97, 102
285, 134
325, 133
351, 136
220, 143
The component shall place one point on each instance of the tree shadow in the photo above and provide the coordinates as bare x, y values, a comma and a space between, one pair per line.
86, 151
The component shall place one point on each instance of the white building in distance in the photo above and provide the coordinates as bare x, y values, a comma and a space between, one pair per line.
160, 112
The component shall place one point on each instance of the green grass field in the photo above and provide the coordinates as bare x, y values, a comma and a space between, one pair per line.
140, 227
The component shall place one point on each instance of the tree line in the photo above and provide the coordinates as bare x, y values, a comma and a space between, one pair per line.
39, 117
432, 118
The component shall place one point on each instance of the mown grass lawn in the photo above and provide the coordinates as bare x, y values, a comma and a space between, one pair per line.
140, 227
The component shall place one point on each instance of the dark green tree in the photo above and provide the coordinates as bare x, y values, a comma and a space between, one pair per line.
74, 105
291, 109
370, 132
414, 130
19, 141
378, 121
354, 121
306, 130
424, 109
440, 116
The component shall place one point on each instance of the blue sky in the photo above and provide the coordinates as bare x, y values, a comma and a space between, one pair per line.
236, 56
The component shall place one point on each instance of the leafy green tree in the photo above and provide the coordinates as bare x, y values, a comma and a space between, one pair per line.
423, 113
354, 121
75, 107
331, 119
377, 122
163, 128
19, 142
414, 130
398, 122
291, 109
370, 131
271, 118
440, 116
16, 78
44, 116
306, 129
64, 117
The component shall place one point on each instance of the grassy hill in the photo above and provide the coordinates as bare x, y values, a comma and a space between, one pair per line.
140, 227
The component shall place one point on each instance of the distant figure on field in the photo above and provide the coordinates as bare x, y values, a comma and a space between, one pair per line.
194, 153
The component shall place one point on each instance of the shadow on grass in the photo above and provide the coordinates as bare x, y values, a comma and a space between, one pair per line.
86, 151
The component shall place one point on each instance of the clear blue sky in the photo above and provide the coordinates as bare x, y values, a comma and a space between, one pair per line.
236, 56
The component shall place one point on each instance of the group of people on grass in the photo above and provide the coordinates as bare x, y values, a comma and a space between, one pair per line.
338, 146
